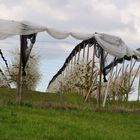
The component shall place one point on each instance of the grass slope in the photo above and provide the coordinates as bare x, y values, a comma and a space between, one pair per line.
37, 123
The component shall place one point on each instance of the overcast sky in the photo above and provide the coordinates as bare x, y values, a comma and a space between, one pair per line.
116, 17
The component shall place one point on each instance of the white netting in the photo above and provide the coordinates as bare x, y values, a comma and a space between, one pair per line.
57, 34
112, 44
11, 28
81, 36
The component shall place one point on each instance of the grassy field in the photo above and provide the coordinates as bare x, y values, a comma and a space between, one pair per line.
40, 117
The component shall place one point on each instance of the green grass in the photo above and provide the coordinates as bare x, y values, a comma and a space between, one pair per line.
39, 124
42, 123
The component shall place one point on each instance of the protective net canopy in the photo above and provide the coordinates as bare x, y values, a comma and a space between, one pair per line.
11, 28
111, 48
112, 44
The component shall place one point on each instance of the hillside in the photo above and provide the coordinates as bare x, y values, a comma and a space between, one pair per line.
51, 117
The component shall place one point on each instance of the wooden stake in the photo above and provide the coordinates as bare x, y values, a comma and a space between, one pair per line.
91, 76
90, 89
78, 59
92, 67
131, 70
19, 83
115, 79
134, 77
71, 64
61, 85
100, 80
68, 67
138, 90
75, 57
107, 89
84, 53
123, 66
88, 53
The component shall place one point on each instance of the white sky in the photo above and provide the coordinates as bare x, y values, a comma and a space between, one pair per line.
116, 17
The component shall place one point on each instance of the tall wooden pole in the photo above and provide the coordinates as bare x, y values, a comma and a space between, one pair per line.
100, 79
19, 78
138, 90
19, 83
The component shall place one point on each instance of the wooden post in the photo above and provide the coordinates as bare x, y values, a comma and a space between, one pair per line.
91, 76
67, 69
114, 86
123, 67
134, 77
68, 65
19, 78
83, 54
131, 70
92, 66
19, 83
71, 64
88, 53
75, 57
78, 59
107, 88
100, 80
138, 90
62, 90
78, 63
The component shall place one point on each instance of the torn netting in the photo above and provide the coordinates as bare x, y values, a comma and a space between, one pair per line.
25, 49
